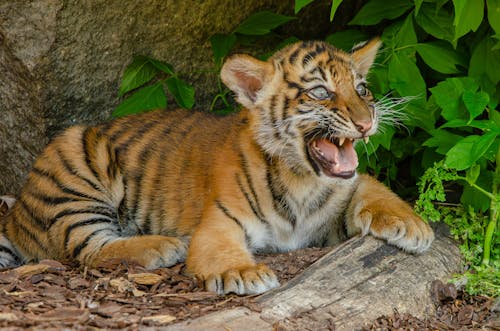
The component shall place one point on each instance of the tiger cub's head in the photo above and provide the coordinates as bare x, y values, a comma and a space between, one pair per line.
309, 103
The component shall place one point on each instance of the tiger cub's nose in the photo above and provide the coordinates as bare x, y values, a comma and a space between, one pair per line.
363, 126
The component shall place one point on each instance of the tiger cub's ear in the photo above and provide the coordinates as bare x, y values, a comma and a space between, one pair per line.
364, 54
246, 76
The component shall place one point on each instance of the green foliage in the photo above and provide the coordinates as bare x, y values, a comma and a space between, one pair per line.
377, 10
483, 280
346, 39
431, 189
467, 227
145, 99
145, 80
473, 228
441, 57
182, 92
299, 4
333, 10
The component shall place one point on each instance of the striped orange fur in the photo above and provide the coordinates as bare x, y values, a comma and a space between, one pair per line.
168, 186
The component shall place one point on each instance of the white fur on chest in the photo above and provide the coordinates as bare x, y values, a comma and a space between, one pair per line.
312, 222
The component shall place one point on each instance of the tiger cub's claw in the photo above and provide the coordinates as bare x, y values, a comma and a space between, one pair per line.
251, 280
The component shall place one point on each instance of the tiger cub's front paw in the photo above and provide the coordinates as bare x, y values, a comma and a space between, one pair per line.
395, 222
250, 280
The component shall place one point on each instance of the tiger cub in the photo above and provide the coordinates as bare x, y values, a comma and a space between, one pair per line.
169, 186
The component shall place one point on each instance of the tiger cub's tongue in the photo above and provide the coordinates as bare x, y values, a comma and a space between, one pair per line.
343, 159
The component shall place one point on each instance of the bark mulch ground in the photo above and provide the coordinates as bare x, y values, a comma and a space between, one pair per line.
54, 296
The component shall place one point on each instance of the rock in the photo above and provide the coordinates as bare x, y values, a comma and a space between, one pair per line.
22, 124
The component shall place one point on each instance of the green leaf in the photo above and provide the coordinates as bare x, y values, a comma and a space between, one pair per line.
162, 66
484, 125
420, 114
484, 60
262, 23
497, 43
379, 83
468, 151
468, 16
472, 197
491, 153
377, 10
384, 138
448, 95
299, 4
401, 37
475, 102
492, 89
418, 3
443, 140
494, 14
404, 76
333, 10
406, 35
472, 174
147, 98
182, 92
495, 117
441, 57
138, 73
222, 45
346, 39
438, 23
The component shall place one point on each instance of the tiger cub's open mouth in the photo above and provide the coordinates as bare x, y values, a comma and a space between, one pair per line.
335, 157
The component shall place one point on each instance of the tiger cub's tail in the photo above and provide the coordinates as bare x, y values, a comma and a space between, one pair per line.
8, 255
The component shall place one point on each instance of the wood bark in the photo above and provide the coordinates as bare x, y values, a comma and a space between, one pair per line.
355, 283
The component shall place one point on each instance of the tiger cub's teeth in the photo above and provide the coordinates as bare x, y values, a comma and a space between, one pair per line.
366, 139
341, 141
317, 149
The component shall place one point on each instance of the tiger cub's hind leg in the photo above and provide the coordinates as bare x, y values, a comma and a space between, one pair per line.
92, 239
92, 235
90, 228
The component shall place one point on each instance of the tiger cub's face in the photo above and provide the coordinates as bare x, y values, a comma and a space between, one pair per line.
309, 102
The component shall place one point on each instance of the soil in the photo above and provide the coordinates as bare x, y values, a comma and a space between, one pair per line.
52, 296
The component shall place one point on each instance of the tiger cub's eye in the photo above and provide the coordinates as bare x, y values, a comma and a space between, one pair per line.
362, 90
319, 93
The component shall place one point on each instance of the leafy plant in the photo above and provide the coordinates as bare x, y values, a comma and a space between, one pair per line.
473, 229
148, 78
431, 189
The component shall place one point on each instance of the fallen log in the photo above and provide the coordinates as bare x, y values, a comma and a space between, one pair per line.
355, 283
